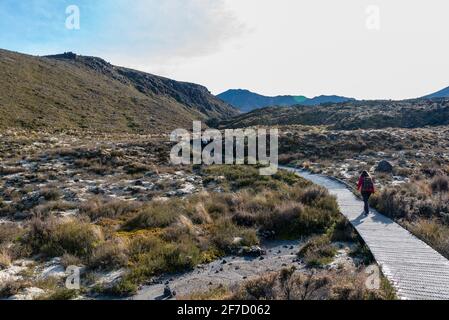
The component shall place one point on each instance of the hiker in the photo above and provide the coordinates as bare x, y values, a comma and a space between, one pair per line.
366, 187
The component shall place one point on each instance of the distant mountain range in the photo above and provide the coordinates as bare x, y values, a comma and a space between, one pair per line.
69, 91
247, 101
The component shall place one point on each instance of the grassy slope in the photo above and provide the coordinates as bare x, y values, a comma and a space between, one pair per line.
49, 93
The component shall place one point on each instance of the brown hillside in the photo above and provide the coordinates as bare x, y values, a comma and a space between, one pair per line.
75, 92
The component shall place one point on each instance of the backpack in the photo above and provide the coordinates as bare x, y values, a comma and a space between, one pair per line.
367, 185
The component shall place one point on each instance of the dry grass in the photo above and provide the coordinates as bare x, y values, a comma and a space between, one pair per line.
54, 238
291, 285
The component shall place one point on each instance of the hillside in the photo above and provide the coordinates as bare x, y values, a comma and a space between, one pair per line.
444, 93
351, 115
247, 101
72, 92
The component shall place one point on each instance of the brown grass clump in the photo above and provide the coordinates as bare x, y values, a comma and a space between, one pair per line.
54, 238
291, 285
155, 215
318, 251
97, 208
5, 259
440, 184
110, 255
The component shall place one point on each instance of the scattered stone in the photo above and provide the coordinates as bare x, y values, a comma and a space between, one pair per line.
384, 166
168, 292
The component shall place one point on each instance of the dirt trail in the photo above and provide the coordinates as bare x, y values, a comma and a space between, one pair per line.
227, 271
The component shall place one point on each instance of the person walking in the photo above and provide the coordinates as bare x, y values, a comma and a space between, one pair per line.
366, 188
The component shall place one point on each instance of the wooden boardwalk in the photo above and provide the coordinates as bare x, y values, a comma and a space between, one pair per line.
416, 270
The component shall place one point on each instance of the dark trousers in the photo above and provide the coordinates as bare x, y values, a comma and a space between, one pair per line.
366, 196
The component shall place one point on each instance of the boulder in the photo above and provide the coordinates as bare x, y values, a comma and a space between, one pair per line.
384, 166
253, 251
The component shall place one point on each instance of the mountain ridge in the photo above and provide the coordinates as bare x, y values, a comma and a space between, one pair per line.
69, 91
247, 101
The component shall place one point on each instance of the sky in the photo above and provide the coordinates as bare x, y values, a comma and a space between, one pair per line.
366, 49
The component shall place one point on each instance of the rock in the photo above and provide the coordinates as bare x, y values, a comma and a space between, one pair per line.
237, 240
384, 166
168, 292
22, 215
224, 262
253, 251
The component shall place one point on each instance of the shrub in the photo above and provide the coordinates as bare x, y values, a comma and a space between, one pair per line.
136, 168
5, 259
318, 251
109, 255
10, 232
52, 207
343, 231
262, 288
55, 238
61, 294
11, 288
214, 294
97, 208
284, 220
152, 257
70, 260
155, 215
51, 194
313, 194
224, 233
433, 233
440, 183
363, 253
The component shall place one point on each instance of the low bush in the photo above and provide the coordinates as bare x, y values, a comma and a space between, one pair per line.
54, 238
110, 255
440, 183
228, 237
155, 215
318, 251
5, 258
98, 208
288, 284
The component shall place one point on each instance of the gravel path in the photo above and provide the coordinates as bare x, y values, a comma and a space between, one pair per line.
416, 270
228, 271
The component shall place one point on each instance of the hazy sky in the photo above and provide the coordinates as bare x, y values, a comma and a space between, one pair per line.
358, 48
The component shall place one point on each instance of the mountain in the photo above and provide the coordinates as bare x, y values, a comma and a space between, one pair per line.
69, 91
350, 115
247, 101
440, 94
325, 100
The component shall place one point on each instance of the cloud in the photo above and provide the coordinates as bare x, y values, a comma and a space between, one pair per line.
153, 31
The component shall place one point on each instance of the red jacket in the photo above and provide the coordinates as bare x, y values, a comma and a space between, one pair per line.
360, 185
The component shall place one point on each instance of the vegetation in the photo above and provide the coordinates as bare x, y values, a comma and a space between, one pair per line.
351, 115
89, 93
289, 284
